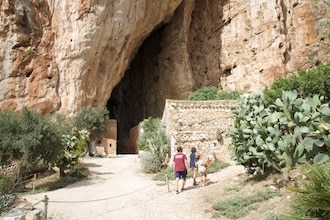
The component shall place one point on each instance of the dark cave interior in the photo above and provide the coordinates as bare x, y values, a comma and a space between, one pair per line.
130, 99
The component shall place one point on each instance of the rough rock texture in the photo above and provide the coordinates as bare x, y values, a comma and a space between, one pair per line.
199, 124
64, 55
61, 56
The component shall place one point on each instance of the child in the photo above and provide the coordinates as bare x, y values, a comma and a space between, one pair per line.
202, 165
193, 165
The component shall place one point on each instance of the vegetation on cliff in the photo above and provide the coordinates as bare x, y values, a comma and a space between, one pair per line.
213, 93
307, 83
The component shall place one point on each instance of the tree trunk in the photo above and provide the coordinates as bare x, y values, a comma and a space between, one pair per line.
92, 147
61, 170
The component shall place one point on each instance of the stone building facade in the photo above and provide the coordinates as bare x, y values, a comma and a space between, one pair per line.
200, 124
109, 139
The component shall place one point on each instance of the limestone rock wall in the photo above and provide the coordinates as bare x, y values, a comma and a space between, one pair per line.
276, 37
61, 56
64, 55
245, 45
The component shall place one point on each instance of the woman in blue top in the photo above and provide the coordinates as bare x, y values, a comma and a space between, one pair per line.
193, 164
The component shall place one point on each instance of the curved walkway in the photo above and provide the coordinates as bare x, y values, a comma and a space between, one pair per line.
119, 190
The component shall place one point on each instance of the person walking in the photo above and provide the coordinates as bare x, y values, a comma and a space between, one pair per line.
202, 165
180, 168
192, 164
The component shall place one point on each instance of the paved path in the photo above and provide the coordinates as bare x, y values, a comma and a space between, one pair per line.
119, 190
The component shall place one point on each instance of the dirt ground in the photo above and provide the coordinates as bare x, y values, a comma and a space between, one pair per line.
118, 189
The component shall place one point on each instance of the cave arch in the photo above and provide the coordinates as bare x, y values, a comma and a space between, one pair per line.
135, 97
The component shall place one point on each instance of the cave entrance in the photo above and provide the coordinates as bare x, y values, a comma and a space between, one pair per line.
136, 96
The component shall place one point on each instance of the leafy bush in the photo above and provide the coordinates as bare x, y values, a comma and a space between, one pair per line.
225, 95
293, 130
204, 93
313, 197
7, 197
92, 120
6, 201
32, 139
150, 162
40, 139
154, 141
212, 93
29, 138
9, 130
6, 185
76, 143
308, 83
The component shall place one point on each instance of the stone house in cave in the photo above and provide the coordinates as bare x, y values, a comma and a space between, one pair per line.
187, 123
111, 143
109, 139
200, 124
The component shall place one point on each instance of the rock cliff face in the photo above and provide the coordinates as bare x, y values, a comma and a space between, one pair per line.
61, 56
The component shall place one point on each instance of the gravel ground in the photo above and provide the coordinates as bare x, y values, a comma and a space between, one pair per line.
118, 189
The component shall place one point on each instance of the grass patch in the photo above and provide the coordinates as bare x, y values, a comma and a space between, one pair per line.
239, 206
273, 216
215, 166
233, 188
53, 182
73, 177
161, 174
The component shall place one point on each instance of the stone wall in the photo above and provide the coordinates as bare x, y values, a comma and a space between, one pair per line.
109, 140
200, 124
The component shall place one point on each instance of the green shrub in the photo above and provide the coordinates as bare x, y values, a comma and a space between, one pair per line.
6, 185
307, 83
167, 171
76, 143
155, 144
6, 201
268, 138
7, 197
212, 93
40, 139
204, 93
94, 121
225, 95
29, 138
313, 197
150, 162
10, 130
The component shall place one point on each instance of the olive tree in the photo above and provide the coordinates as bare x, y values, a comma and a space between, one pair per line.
29, 138
94, 121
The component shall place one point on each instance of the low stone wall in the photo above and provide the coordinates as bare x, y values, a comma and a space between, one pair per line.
199, 124
23, 211
23, 214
